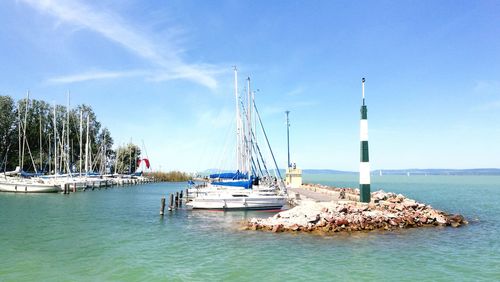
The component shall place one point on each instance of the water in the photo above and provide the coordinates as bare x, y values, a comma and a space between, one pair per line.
117, 234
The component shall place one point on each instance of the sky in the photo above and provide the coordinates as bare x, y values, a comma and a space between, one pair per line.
159, 73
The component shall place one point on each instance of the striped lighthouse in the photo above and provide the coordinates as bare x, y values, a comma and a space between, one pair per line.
364, 165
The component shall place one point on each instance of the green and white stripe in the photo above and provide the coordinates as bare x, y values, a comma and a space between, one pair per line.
364, 165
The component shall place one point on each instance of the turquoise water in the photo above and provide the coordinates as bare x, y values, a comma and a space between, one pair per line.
117, 234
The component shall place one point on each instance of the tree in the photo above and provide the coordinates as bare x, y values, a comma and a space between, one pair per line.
106, 153
30, 124
127, 157
8, 146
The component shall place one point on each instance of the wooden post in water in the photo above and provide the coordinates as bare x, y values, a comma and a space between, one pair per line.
180, 198
74, 187
171, 205
187, 195
176, 200
162, 209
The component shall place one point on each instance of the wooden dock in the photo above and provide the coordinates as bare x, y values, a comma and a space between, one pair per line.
99, 183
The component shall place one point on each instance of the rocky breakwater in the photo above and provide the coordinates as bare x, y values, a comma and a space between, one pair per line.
387, 211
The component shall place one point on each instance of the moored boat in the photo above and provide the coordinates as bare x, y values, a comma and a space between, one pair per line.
236, 200
33, 185
251, 186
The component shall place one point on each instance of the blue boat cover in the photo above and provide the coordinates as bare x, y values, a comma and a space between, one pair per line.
30, 174
247, 184
230, 175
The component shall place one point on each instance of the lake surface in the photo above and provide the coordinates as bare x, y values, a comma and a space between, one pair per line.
117, 234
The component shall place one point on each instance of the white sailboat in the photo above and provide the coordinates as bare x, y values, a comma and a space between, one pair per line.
251, 186
30, 185
14, 181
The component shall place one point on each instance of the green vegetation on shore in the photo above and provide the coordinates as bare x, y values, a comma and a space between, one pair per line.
27, 139
27, 135
172, 176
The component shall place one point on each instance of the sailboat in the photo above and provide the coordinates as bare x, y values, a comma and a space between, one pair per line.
29, 185
251, 186
19, 181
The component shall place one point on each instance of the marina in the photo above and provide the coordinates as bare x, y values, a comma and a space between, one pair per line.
66, 185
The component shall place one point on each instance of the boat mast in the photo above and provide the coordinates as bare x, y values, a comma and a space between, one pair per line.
87, 148
130, 157
134, 161
81, 141
91, 166
41, 162
249, 129
104, 149
239, 165
19, 133
62, 140
24, 129
288, 136
50, 153
68, 151
55, 141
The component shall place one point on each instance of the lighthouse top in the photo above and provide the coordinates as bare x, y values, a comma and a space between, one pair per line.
363, 81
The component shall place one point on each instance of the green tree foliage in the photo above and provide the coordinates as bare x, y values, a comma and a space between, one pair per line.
30, 125
7, 128
105, 143
127, 157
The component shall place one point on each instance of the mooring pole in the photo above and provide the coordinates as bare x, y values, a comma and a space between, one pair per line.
162, 208
171, 205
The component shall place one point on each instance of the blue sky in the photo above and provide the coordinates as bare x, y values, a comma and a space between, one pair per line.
161, 72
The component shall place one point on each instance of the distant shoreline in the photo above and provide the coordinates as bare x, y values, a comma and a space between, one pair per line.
411, 171
474, 171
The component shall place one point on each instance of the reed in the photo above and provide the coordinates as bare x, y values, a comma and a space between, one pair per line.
172, 176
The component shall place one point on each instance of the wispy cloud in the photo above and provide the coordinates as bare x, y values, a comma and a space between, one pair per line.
114, 28
295, 92
92, 75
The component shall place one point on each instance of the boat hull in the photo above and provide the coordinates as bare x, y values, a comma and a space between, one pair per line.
20, 187
238, 202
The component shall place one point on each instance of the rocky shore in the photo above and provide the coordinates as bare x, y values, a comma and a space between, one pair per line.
386, 211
